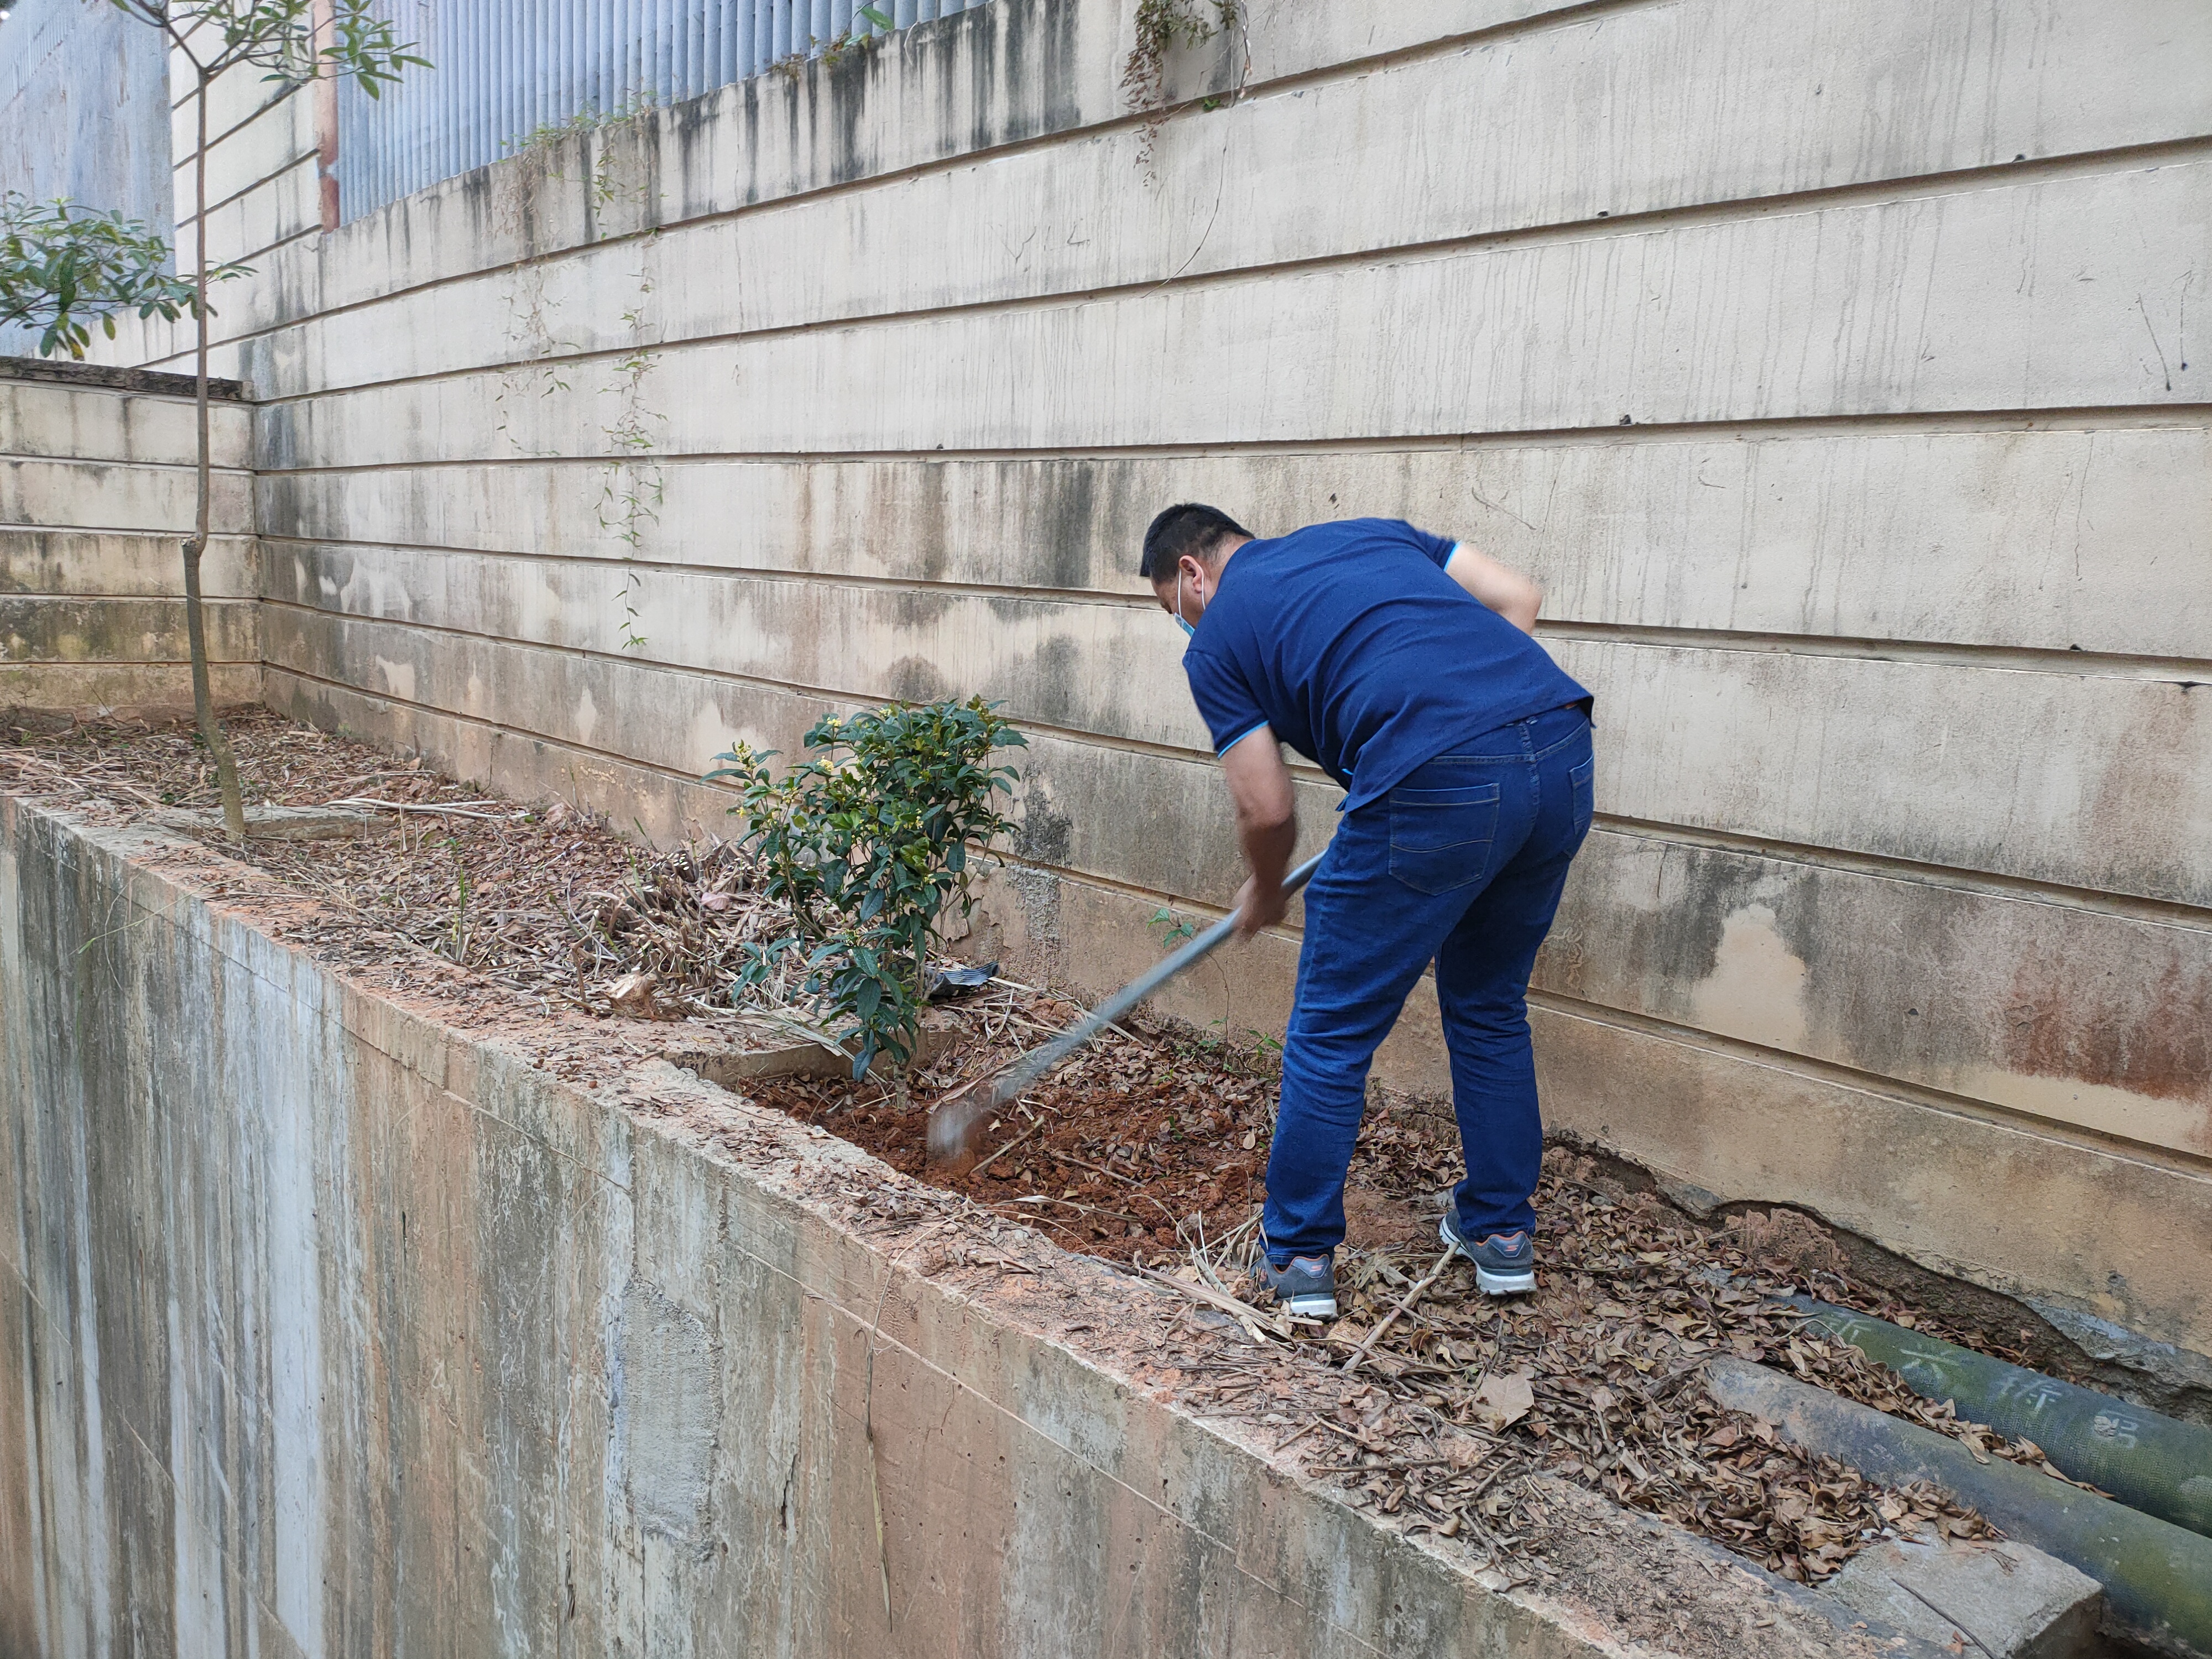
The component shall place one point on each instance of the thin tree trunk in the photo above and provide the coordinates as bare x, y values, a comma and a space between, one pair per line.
211, 732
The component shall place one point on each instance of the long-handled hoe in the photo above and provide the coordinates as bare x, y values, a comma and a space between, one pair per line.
954, 1120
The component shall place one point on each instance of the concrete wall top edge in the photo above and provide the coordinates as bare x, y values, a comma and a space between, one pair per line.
115, 378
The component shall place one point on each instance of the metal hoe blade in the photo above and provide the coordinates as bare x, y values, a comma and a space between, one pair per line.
953, 1121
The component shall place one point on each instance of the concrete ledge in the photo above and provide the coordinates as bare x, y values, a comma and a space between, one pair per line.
2009, 1601
127, 690
334, 1322
37, 629
117, 380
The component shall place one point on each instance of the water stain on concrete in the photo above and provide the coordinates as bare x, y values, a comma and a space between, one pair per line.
1756, 990
663, 1412
2146, 1039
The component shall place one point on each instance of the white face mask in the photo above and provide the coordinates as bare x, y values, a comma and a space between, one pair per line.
1188, 628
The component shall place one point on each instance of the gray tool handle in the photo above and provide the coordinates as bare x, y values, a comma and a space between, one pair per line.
947, 1129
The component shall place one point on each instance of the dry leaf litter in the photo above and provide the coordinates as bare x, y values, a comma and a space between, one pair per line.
1425, 1401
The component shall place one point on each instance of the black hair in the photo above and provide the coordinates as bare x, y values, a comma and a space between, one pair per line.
1187, 527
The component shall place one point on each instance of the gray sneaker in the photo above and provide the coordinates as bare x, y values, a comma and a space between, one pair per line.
1306, 1288
1505, 1263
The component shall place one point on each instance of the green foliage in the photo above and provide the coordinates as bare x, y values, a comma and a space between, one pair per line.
867, 843
1162, 25
1173, 929
282, 36
63, 268
545, 138
278, 36
631, 489
875, 17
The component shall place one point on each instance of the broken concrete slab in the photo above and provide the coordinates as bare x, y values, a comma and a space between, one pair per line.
2009, 1600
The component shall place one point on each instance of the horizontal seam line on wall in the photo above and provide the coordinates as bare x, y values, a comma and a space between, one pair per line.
172, 53
521, 733
2128, 907
723, 676
275, 100
267, 248
1346, 69
675, 774
218, 470
2017, 1120
184, 100
177, 534
185, 152
659, 770
1769, 641
2049, 892
6, 598
263, 252
266, 179
1193, 108
188, 468
745, 572
1609, 228
1932, 654
1753, 429
217, 400
7, 663
182, 355
2145, 1155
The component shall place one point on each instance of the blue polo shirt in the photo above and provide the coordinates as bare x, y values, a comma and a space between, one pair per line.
1352, 643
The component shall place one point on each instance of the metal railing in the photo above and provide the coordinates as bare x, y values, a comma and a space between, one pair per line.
503, 69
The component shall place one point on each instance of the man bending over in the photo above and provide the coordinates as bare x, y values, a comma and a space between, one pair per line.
1402, 665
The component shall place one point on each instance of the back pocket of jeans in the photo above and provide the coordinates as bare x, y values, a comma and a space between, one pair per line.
1581, 778
1440, 839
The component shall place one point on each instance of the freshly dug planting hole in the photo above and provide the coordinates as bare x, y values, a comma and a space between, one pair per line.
1138, 1147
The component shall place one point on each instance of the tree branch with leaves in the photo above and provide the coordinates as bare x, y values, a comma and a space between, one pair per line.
65, 268
293, 41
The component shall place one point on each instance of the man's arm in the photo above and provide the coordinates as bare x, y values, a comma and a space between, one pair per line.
1260, 785
1507, 592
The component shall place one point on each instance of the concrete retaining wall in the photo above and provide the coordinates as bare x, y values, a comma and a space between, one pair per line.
329, 1327
1835, 370
97, 490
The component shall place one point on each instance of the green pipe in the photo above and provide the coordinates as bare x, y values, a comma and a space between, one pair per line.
2149, 1462
2157, 1577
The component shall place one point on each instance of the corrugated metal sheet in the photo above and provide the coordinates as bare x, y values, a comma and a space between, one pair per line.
503, 69
84, 113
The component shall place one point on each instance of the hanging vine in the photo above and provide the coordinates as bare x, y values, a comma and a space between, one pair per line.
631, 494
1162, 26
631, 487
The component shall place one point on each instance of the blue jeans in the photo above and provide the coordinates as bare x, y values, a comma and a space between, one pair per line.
1461, 865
